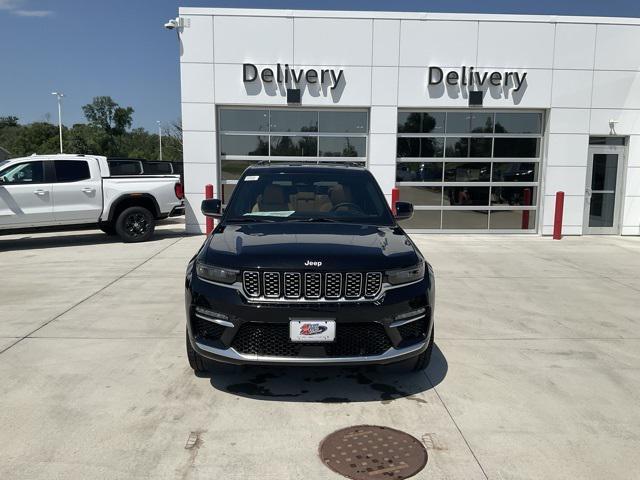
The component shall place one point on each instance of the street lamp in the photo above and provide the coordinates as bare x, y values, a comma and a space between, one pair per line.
160, 136
59, 95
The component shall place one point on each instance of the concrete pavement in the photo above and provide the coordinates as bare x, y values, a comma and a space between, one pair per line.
535, 375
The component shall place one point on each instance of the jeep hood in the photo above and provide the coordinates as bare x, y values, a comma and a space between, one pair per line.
340, 247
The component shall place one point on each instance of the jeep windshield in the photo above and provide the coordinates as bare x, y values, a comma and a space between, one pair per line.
325, 196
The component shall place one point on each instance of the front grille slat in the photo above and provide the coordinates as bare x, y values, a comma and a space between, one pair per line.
271, 281
251, 283
373, 284
312, 285
292, 285
332, 285
353, 285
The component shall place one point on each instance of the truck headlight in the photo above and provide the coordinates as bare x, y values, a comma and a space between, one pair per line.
216, 274
406, 275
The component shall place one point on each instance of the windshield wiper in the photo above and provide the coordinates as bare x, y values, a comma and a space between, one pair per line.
251, 220
315, 219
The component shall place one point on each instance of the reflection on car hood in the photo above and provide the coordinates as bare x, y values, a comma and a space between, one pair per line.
340, 247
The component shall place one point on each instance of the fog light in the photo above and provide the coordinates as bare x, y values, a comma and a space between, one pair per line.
213, 316
411, 314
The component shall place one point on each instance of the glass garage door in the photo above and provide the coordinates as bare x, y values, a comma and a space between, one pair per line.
249, 135
470, 170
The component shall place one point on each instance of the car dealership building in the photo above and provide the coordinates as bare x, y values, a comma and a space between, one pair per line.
478, 120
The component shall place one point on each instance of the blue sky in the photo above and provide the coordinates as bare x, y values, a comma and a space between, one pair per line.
86, 48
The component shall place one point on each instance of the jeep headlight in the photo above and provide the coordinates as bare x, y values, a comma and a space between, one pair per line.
406, 275
216, 274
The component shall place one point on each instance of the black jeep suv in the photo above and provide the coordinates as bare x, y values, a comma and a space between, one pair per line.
307, 266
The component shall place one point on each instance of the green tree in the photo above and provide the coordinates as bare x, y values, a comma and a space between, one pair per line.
105, 134
106, 114
9, 121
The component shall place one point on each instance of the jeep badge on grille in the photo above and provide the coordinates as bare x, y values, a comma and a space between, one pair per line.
311, 263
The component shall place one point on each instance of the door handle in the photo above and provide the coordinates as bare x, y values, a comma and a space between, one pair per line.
88, 190
40, 192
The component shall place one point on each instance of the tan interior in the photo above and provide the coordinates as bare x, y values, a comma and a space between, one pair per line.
274, 199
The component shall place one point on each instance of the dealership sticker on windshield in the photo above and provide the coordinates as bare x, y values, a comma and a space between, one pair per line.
312, 330
251, 178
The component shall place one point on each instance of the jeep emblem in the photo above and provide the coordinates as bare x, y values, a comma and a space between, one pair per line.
310, 263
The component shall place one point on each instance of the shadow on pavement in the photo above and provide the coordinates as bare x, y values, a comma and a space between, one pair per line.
330, 384
75, 238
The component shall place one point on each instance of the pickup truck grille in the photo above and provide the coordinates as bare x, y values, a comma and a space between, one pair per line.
311, 285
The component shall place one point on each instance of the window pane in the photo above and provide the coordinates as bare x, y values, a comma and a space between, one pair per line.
457, 147
244, 145
419, 172
480, 147
469, 122
602, 209
421, 122
244, 120
512, 219
232, 169
343, 122
343, 146
294, 146
426, 196
124, 167
518, 122
522, 196
294, 121
227, 190
516, 147
29, 172
423, 219
466, 172
464, 219
605, 171
71, 170
606, 140
466, 196
515, 172
420, 147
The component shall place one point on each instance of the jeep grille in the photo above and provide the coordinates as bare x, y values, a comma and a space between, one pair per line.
311, 285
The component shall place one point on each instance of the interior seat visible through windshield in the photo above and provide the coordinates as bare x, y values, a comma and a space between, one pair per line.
341, 196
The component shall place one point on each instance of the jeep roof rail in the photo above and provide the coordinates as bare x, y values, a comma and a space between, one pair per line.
308, 163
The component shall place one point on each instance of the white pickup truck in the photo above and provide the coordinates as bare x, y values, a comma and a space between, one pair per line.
63, 190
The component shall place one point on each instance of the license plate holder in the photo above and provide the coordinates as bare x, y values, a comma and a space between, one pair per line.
311, 331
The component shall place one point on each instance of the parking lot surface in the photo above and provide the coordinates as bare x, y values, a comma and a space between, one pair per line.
536, 373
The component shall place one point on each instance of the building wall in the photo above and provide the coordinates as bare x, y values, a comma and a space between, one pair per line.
583, 71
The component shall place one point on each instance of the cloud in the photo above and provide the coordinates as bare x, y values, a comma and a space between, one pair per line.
17, 7
32, 13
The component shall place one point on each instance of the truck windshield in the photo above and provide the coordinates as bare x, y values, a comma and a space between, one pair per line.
345, 196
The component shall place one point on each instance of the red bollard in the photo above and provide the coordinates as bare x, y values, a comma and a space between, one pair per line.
395, 196
557, 220
208, 194
525, 213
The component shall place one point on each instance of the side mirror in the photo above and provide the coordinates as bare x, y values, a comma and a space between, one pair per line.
212, 208
404, 210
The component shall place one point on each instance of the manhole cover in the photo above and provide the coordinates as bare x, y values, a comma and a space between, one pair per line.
370, 452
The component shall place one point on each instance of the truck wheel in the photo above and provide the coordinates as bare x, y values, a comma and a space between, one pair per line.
135, 224
108, 228
197, 362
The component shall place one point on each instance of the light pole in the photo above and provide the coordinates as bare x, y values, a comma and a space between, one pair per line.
160, 137
59, 95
